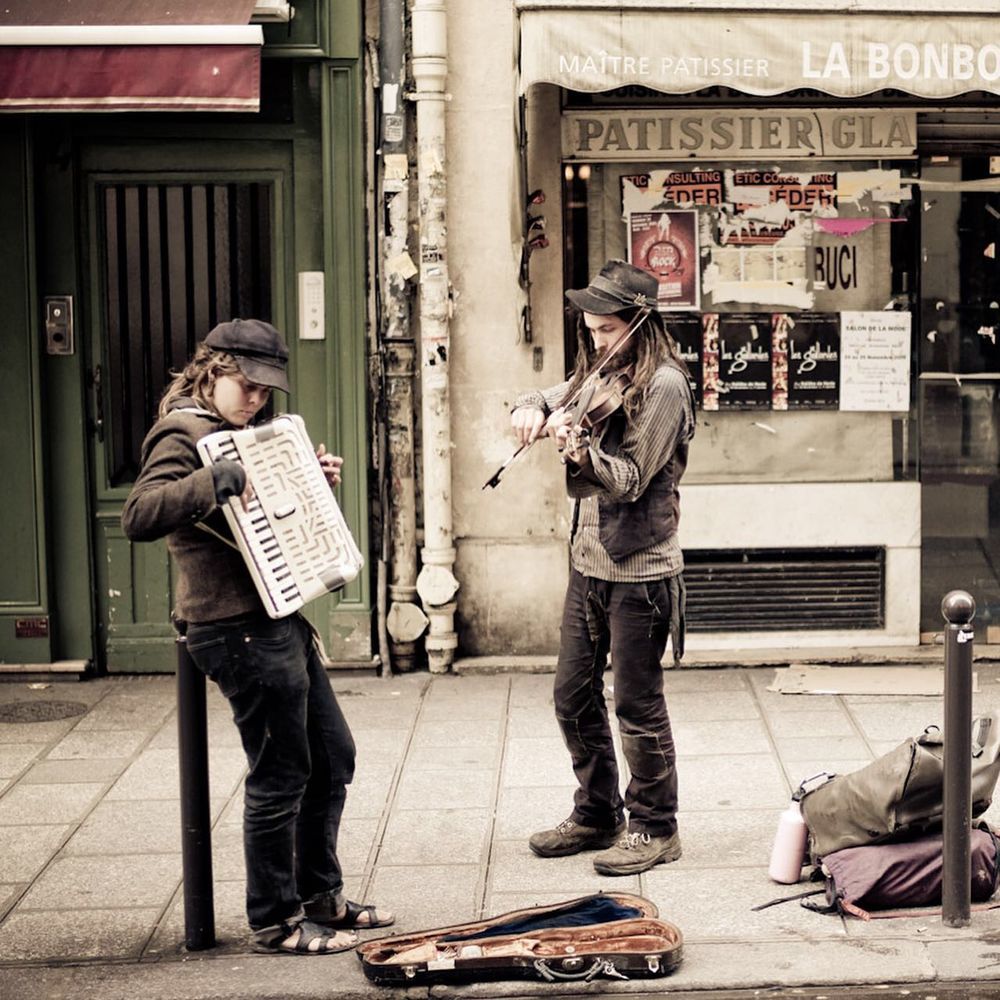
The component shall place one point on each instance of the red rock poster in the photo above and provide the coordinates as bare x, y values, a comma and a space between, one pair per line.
666, 245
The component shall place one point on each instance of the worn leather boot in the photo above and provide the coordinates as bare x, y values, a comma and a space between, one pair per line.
637, 852
572, 838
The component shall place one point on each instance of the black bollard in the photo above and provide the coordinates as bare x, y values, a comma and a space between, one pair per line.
958, 609
196, 817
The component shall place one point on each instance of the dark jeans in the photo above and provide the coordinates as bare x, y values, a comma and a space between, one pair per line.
632, 622
300, 752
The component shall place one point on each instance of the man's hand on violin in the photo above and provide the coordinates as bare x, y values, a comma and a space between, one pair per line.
527, 423
573, 441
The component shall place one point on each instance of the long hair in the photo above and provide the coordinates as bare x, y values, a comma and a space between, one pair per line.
648, 347
197, 378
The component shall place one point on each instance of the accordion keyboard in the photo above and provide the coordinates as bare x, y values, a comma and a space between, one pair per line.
292, 535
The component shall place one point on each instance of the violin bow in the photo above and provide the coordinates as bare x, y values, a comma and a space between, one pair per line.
494, 480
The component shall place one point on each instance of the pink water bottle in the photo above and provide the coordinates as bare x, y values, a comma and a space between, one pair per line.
789, 849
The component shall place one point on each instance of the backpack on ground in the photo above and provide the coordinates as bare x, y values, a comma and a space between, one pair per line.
901, 875
899, 795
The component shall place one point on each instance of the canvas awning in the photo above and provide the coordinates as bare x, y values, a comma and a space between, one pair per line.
129, 56
845, 48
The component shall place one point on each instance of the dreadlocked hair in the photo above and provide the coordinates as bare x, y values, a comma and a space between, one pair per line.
197, 378
648, 347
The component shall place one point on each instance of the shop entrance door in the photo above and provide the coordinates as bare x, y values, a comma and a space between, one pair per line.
172, 252
958, 399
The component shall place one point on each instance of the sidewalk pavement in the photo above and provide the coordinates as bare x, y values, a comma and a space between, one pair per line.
454, 773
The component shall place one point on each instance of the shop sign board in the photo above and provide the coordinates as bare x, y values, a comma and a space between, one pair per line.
738, 134
761, 52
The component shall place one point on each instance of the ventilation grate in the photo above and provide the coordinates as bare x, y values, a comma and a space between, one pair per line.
758, 590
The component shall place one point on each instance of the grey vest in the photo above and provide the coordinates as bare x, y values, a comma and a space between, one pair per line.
625, 528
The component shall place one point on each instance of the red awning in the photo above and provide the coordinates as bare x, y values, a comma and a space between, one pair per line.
130, 68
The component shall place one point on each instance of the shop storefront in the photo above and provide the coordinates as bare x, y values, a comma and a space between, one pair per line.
817, 188
830, 275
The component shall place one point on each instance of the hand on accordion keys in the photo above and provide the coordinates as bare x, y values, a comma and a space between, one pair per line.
330, 464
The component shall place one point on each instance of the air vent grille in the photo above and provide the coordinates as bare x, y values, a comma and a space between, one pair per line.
781, 589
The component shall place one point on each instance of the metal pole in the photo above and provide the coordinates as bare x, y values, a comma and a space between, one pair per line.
958, 609
196, 818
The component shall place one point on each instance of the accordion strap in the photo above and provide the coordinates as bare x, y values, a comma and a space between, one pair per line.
219, 535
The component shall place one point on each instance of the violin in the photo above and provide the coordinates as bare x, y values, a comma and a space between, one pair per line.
605, 387
597, 401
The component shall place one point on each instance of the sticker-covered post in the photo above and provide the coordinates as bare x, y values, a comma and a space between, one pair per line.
958, 609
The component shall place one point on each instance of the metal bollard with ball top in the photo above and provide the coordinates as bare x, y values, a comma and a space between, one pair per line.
958, 609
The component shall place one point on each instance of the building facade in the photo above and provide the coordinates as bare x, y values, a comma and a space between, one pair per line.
166, 167
817, 188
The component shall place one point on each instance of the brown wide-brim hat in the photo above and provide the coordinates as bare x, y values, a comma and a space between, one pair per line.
257, 348
619, 285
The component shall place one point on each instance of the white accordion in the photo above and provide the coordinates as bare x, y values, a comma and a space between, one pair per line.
293, 535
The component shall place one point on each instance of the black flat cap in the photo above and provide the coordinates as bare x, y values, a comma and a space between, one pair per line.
256, 347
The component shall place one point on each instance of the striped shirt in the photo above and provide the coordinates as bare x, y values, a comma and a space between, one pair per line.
663, 425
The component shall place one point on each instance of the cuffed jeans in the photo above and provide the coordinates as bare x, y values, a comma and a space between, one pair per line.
300, 752
632, 621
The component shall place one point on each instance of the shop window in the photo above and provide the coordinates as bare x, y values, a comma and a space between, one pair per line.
788, 289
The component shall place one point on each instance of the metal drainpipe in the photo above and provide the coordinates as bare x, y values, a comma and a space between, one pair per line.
405, 621
436, 584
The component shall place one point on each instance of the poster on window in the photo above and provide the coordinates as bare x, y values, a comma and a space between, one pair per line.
805, 357
686, 329
875, 361
766, 205
666, 245
744, 376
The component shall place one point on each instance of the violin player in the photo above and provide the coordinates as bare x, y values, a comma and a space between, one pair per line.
626, 590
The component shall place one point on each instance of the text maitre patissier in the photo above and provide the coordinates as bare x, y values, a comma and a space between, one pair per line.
871, 60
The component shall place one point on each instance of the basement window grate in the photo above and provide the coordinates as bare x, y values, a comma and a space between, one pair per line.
766, 590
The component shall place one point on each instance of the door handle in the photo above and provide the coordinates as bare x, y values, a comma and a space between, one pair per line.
98, 421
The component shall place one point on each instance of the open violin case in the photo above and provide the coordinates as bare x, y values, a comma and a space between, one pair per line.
610, 935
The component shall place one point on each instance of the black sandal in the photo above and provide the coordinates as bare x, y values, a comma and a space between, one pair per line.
309, 932
348, 920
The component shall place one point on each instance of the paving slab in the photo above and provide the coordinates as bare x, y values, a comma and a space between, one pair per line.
536, 762
514, 869
54, 772
91, 745
55, 935
112, 881
522, 811
473, 790
26, 850
439, 836
47, 804
425, 896
735, 738
15, 758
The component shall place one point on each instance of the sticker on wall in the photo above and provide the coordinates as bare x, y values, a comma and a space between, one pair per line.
710, 361
766, 205
879, 185
666, 245
660, 189
767, 276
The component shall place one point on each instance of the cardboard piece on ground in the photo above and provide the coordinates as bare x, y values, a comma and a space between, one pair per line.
824, 678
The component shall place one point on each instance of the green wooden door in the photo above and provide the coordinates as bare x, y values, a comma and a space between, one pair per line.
175, 245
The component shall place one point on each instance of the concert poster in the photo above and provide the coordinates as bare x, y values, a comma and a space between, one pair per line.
744, 361
813, 359
686, 329
666, 245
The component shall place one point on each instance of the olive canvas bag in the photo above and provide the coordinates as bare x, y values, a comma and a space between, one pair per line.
898, 795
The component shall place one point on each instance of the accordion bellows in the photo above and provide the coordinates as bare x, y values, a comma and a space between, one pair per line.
293, 536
